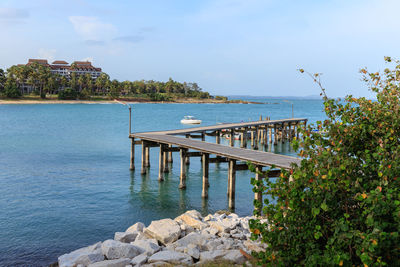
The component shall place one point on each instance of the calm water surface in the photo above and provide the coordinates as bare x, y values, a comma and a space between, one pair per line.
65, 181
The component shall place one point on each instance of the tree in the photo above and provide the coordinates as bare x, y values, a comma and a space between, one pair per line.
3, 79
101, 82
341, 205
11, 89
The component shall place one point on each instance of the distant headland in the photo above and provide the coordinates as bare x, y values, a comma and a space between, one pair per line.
39, 81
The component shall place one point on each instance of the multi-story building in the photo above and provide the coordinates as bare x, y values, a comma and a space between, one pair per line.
62, 67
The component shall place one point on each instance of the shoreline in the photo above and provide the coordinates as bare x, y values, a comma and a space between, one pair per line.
131, 101
189, 239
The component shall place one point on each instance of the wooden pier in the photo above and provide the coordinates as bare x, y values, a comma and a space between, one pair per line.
262, 132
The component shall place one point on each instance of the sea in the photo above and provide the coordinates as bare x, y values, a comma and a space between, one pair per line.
65, 181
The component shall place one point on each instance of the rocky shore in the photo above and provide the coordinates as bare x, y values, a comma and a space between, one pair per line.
187, 240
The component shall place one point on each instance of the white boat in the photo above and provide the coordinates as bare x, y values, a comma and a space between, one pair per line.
190, 120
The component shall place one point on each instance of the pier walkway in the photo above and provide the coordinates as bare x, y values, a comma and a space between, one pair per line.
262, 132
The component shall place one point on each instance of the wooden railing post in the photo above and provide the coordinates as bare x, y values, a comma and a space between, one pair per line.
205, 163
132, 165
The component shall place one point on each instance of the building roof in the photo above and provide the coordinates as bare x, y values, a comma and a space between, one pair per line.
39, 61
60, 62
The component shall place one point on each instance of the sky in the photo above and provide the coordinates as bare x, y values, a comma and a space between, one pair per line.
229, 47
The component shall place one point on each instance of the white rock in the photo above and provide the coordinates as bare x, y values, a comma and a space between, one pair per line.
166, 230
112, 263
125, 237
233, 216
235, 256
84, 256
239, 236
192, 238
192, 219
213, 244
139, 260
194, 214
209, 217
193, 251
158, 263
137, 227
180, 249
212, 255
171, 257
149, 246
115, 250
143, 236
253, 246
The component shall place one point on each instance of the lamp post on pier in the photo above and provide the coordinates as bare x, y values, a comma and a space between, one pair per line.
287, 101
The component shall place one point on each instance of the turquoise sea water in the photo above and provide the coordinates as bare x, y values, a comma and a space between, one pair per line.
65, 181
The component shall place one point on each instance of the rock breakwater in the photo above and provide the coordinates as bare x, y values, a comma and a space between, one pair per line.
189, 239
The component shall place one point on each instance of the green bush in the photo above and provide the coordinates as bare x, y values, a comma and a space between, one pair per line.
159, 97
11, 89
68, 94
84, 94
342, 203
218, 97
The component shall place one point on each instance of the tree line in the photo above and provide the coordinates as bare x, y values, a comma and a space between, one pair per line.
43, 82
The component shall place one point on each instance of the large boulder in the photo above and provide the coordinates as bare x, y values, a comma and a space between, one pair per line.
192, 219
165, 230
139, 260
224, 225
149, 246
116, 250
212, 255
235, 256
125, 237
192, 238
171, 257
84, 256
112, 263
137, 227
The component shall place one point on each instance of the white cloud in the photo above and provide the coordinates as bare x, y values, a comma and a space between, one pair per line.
91, 28
48, 54
90, 59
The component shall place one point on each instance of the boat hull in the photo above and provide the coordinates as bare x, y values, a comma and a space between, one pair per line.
190, 121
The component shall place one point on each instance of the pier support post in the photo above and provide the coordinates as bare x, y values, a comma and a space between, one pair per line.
245, 138
262, 136
270, 135
205, 163
143, 170
232, 139
161, 164
275, 135
256, 139
182, 183
231, 183
252, 139
187, 159
266, 136
132, 165
258, 195
203, 136
290, 131
242, 134
165, 163
170, 158
217, 137
147, 161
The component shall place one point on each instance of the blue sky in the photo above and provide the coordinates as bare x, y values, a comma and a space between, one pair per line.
250, 47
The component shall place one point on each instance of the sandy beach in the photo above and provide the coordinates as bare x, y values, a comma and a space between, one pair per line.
183, 101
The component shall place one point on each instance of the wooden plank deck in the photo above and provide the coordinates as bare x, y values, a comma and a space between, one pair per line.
257, 157
219, 127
